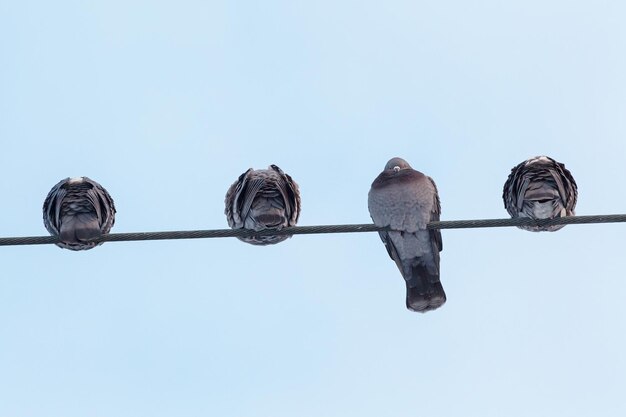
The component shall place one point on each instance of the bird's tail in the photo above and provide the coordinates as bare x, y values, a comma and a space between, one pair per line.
80, 227
424, 291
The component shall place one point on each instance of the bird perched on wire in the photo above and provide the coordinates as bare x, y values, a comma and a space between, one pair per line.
263, 199
405, 200
540, 188
78, 210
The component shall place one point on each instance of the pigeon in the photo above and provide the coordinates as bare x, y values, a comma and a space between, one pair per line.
263, 199
540, 188
405, 200
78, 210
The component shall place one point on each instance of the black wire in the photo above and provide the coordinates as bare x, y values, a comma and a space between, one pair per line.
307, 230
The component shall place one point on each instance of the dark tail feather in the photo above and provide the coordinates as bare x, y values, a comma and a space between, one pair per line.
424, 291
81, 227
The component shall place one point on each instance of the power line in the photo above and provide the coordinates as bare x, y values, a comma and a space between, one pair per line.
307, 230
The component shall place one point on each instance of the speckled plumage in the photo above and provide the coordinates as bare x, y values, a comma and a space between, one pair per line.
263, 199
540, 188
407, 200
78, 210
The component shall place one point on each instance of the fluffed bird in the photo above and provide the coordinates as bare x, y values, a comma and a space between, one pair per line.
78, 210
263, 199
406, 201
540, 188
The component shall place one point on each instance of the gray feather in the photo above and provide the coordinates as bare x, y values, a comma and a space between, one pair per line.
78, 210
263, 199
540, 188
406, 201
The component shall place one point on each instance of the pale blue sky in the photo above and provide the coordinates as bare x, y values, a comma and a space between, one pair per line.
166, 103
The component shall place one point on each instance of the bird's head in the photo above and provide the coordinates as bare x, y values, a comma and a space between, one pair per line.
539, 159
396, 164
76, 180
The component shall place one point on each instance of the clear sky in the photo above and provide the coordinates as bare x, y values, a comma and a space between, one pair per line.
166, 103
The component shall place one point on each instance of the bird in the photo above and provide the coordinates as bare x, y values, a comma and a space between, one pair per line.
540, 188
263, 199
78, 211
406, 200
